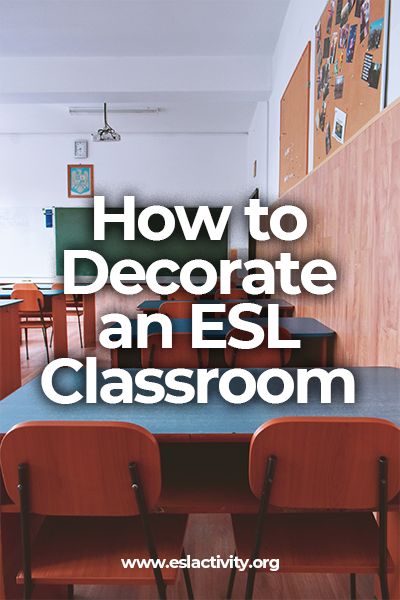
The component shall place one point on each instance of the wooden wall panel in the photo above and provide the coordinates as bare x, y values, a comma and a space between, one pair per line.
353, 205
295, 111
359, 101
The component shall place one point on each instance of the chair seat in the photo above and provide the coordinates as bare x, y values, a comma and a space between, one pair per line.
72, 310
314, 542
88, 550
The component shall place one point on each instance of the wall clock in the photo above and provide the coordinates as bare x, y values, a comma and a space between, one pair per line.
81, 149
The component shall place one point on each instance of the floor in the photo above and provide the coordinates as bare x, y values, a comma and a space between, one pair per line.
210, 584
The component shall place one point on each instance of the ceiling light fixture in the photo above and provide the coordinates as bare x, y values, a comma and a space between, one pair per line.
93, 110
107, 134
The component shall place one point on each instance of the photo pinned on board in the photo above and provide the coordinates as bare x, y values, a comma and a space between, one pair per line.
365, 13
374, 75
339, 85
339, 125
358, 8
375, 34
368, 60
344, 36
328, 139
339, 7
331, 11
333, 47
318, 37
351, 46
322, 117
327, 44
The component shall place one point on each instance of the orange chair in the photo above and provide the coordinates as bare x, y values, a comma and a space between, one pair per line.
338, 471
177, 309
180, 355
73, 305
95, 483
25, 286
180, 294
261, 357
32, 315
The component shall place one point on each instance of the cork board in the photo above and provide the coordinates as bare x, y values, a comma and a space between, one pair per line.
295, 110
350, 44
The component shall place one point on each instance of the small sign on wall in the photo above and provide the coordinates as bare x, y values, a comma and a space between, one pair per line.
48, 217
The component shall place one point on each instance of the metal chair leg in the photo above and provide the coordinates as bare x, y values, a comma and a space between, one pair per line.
250, 583
186, 576
384, 586
46, 344
231, 581
353, 588
80, 329
26, 343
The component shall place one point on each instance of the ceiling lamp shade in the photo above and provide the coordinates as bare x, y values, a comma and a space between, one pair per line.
107, 133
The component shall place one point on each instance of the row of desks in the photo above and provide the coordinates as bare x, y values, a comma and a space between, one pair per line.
204, 448
319, 338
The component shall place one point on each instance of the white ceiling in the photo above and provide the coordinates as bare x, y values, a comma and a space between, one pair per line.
139, 28
205, 63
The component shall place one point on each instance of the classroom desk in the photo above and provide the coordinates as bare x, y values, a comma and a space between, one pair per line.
204, 448
54, 302
10, 361
285, 308
302, 328
89, 316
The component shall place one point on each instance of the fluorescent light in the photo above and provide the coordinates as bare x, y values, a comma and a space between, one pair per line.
92, 110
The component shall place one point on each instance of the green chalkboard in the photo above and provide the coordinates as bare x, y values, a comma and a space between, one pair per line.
74, 231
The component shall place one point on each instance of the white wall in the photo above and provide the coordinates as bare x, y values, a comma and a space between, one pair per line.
297, 30
156, 168
257, 150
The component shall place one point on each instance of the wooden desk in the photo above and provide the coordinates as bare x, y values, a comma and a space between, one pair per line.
10, 362
286, 309
204, 448
55, 302
310, 331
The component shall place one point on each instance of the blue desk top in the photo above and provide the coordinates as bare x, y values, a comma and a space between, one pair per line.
377, 395
4, 303
155, 304
297, 326
6, 293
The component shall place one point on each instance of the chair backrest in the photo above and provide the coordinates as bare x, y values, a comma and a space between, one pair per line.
81, 468
261, 357
181, 355
234, 294
25, 286
181, 294
325, 463
177, 309
57, 286
32, 299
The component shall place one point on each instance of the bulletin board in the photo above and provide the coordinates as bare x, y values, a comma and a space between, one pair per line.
295, 110
350, 52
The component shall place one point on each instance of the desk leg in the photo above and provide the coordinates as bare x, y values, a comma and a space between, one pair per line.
89, 320
327, 351
10, 362
60, 326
